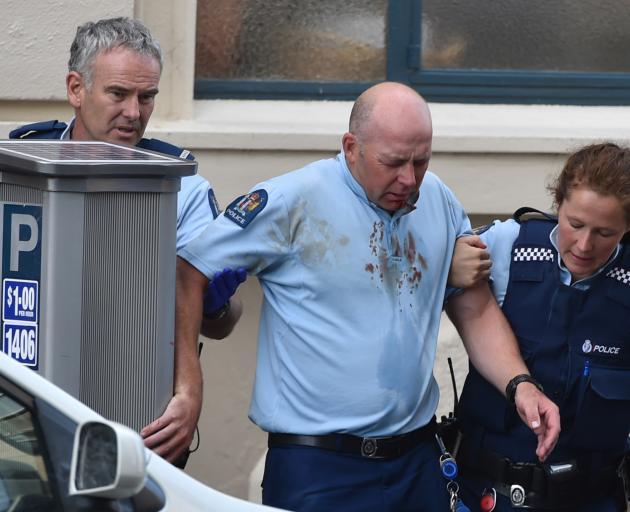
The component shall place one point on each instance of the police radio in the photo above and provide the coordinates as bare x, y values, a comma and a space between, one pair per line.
448, 426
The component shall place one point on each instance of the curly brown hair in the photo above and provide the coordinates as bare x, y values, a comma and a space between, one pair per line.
604, 168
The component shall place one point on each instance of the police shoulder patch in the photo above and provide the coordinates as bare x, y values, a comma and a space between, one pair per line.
244, 209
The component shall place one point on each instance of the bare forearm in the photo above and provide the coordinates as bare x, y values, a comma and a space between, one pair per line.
188, 307
487, 336
493, 350
170, 435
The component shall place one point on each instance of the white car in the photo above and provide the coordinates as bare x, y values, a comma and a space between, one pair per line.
56, 454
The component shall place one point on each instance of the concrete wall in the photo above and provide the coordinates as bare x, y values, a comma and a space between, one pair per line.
35, 38
494, 157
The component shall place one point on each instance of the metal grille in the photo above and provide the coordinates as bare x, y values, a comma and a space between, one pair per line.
120, 292
20, 194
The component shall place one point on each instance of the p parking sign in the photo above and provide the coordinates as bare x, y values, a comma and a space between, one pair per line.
21, 273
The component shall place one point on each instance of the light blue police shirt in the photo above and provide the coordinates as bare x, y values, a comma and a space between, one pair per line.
196, 208
500, 238
352, 298
196, 203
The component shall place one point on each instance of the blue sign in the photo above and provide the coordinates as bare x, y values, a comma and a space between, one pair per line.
21, 274
19, 341
19, 300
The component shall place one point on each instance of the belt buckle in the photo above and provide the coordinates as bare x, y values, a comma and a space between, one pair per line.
369, 448
517, 495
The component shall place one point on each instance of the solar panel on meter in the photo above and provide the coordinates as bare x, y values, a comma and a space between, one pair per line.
65, 158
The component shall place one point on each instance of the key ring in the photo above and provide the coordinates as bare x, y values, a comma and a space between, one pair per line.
452, 487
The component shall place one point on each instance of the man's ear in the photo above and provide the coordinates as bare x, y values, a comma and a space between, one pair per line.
350, 146
74, 87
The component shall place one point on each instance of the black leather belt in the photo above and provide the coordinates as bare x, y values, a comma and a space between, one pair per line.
369, 447
541, 488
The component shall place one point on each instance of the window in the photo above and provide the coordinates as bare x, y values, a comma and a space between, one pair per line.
289, 48
564, 52
24, 477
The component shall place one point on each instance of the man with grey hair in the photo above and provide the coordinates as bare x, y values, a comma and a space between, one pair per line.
113, 76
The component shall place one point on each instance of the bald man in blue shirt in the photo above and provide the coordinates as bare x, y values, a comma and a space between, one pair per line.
353, 256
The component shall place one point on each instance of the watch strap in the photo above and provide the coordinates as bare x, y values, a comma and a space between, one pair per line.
220, 313
510, 389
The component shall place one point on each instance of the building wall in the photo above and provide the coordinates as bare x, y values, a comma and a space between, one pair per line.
494, 157
35, 38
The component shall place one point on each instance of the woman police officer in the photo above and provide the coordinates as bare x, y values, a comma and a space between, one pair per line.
564, 286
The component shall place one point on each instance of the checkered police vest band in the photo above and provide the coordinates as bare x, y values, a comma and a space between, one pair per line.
620, 274
532, 254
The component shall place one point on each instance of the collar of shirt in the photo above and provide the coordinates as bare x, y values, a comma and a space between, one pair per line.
66, 133
358, 190
565, 275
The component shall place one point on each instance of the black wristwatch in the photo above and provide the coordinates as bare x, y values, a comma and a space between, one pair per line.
220, 313
510, 389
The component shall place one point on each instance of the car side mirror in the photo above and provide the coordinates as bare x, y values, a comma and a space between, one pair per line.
108, 461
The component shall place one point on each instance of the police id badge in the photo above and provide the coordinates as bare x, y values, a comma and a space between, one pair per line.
245, 208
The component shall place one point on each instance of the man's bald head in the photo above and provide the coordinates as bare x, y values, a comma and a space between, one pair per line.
387, 98
388, 147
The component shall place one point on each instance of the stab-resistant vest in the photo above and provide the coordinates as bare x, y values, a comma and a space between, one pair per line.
576, 343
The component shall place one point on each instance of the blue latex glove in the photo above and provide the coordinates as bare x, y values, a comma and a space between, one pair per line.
221, 288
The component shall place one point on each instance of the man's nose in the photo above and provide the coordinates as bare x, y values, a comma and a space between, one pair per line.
131, 108
406, 175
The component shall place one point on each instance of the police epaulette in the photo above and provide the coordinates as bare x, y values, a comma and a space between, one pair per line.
41, 127
164, 147
532, 213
